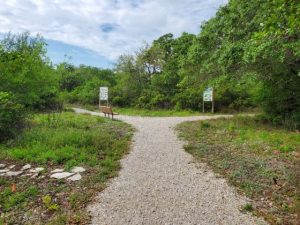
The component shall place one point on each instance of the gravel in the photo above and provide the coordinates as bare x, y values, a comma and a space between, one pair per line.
160, 183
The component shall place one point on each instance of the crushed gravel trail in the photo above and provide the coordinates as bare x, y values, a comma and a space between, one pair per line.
160, 183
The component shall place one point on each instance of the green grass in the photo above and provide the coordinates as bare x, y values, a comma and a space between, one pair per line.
145, 112
61, 141
262, 161
156, 113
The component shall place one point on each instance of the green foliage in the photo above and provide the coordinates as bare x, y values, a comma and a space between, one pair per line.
27, 81
27, 72
273, 51
48, 202
81, 84
12, 116
249, 52
247, 208
9, 199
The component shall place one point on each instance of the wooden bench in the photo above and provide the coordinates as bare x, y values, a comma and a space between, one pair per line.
108, 110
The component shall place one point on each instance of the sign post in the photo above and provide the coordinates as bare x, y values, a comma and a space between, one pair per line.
208, 96
103, 95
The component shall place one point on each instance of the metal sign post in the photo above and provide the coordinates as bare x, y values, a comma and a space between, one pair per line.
208, 96
103, 95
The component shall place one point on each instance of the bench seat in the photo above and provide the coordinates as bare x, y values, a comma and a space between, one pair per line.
108, 110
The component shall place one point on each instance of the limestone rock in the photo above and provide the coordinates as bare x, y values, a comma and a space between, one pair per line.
34, 175
36, 170
75, 177
26, 167
2, 165
57, 171
61, 175
13, 173
4, 171
11, 167
77, 169
26, 174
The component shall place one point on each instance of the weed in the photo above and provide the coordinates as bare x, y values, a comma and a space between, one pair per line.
205, 125
9, 199
247, 208
47, 200
285, 148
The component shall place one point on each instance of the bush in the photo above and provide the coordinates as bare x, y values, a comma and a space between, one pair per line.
12, 116
50, 101
281, 100
27, 73
188, 99
120, 101
150, 99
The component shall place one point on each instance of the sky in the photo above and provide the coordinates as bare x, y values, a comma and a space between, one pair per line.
97, 32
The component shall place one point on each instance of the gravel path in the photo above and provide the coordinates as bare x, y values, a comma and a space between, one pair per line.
161, 184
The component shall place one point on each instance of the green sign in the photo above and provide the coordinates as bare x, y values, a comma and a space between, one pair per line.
208, 95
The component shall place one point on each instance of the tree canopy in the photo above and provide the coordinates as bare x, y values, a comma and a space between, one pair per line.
249, 52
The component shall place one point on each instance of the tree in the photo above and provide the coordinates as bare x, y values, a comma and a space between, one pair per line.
27, 72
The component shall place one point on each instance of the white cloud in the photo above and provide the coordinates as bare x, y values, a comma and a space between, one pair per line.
108, 27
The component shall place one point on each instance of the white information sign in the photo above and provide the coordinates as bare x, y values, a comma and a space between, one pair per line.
208, 95
104, 93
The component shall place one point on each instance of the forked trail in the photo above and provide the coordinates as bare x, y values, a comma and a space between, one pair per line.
160, 184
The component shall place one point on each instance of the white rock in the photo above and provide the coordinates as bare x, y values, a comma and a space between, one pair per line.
4, 171
13, 173
26, 174
57, 171
75, 177
2, 165
36, 170
26, 167
61, 175
77, 169
39, 169
11, 167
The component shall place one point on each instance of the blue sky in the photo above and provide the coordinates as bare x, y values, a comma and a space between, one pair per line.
97, 32
61, 52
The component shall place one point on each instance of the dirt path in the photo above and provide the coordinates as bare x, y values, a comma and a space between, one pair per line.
160, 184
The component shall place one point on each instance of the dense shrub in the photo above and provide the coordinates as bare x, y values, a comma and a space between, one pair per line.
188, 99
27, 72
12, 116
281, 101
81, 84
